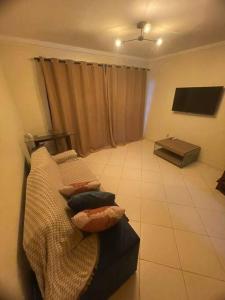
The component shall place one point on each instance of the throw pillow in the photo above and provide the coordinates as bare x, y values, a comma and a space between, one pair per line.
90, 200
79, 187
98, 219
65, 156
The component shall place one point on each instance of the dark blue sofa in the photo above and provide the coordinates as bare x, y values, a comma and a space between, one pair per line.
119, 247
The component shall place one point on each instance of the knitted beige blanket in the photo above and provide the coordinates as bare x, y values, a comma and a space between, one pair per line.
62, 259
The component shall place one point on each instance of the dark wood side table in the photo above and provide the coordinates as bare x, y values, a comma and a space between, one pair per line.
176, 151
33, 142
38, 140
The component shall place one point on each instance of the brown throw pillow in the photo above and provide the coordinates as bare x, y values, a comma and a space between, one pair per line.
79, 187
98, 219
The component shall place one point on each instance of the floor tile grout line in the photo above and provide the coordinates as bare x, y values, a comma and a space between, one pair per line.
203, 224
216, 253
202, 177
178, 253
182, 270
203, 275
163, 184
196, 212
194, 204
186, 288
210, 210
122, 168
209, 236
106, 164
178, 229
160, 264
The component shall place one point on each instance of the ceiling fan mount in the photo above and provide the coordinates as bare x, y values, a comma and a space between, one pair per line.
140, 38
144, 27
141, 25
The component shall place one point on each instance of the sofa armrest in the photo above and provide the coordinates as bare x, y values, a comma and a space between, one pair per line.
64, 156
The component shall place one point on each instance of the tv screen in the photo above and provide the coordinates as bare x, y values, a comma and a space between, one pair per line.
197, 100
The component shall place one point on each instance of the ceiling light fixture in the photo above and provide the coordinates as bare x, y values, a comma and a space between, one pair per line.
159, 42
145, 28
118, 42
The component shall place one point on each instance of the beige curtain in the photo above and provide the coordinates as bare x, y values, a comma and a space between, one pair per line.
102, 105
126, 100
77, 101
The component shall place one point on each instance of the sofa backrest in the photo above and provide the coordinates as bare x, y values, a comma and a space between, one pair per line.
42, 159
45, 206
48, 231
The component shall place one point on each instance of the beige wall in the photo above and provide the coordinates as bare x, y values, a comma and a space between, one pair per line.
205, 67
22, 76
11, 179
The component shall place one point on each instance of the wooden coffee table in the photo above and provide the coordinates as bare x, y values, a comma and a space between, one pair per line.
176, 151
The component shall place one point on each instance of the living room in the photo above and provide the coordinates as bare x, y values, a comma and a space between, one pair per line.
177, 213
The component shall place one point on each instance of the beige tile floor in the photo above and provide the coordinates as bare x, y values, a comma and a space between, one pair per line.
179, 216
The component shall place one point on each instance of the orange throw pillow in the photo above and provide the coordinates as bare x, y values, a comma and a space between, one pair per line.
98, 219
79, 187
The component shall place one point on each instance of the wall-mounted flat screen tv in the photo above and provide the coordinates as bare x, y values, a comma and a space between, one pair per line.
197, 100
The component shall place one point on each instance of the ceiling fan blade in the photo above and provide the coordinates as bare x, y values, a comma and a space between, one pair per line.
149, 40
126, 41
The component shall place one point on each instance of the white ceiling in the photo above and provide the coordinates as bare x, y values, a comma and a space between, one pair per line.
183, 24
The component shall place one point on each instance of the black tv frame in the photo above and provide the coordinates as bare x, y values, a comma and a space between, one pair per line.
177, 107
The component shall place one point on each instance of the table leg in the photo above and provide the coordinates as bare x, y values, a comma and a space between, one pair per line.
68, 142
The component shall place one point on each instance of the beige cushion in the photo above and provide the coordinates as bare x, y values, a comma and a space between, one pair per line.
79, 187
64, 156
98, 219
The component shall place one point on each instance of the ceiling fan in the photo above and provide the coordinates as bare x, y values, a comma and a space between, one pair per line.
144, 28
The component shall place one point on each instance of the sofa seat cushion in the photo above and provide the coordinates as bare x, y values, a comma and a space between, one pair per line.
116, 242
118, 258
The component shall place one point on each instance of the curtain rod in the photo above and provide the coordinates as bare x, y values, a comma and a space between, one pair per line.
90, 63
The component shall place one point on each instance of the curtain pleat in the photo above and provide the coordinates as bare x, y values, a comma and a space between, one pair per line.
126, 98
102, 105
